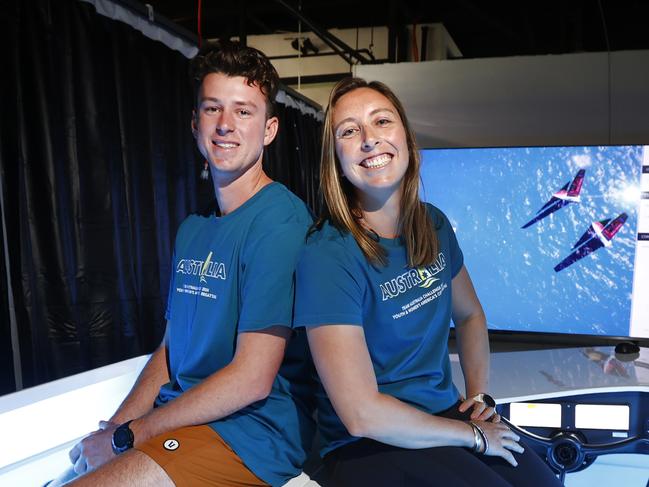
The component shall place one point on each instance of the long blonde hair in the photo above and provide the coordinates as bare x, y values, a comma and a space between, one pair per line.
341, 207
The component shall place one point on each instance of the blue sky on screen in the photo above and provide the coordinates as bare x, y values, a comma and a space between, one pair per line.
490, 194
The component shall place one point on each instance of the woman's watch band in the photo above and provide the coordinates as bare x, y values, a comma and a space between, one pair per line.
485, 398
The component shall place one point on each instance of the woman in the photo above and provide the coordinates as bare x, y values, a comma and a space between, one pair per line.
377, 284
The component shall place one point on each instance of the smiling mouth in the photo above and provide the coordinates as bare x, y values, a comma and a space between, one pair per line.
225, 145
377, 161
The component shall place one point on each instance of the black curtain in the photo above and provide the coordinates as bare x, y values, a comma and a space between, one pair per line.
294, 157
98, 170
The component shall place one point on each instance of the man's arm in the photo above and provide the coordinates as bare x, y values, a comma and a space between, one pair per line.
96, 448
245, 380
139, 400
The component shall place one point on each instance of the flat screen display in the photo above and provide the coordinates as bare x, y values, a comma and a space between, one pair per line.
549, 234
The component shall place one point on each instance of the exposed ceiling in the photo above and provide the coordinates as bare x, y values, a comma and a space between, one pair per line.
479, 28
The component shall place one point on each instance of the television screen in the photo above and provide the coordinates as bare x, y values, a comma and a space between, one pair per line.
551, 236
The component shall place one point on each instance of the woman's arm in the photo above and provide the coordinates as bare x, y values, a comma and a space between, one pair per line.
345, 368
472, 342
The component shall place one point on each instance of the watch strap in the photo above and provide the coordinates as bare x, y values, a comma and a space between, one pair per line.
485, 398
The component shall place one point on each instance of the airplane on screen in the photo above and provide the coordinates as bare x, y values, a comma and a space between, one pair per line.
598, 235
566, 195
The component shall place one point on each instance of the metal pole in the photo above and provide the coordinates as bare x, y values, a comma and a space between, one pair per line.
13, 324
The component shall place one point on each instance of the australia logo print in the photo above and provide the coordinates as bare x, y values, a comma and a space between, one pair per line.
421, 277
208, 261
204, 269
427, 277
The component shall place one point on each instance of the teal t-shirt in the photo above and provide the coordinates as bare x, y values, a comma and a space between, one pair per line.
405, 314
233, 274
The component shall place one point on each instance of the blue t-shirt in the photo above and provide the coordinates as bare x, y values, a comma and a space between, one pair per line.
405, 314
233, 274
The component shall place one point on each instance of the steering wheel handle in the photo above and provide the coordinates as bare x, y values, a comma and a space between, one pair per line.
568, 451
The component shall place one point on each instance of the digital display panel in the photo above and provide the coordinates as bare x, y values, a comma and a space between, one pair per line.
551, 236
535, 414
602, 416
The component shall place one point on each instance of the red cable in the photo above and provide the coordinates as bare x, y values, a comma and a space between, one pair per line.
200, 35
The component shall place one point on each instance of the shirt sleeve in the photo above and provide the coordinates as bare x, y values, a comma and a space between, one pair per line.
267, 279
327, 290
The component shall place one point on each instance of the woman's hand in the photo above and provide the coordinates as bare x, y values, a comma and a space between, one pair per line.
501, 441
481, 412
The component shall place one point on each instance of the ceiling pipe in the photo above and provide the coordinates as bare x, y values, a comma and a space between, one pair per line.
345, 51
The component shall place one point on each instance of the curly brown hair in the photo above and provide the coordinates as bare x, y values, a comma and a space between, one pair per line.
234, 59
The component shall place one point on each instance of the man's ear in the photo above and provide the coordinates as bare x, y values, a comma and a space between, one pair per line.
272, 125
194, 124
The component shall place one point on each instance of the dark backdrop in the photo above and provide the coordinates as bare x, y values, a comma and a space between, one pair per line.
98, 170
293, 158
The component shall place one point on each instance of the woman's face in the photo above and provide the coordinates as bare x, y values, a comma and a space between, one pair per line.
371, 142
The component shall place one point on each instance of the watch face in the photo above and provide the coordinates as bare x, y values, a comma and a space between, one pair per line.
122, 438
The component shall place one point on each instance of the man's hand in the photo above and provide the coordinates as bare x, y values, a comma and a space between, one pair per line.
94, 450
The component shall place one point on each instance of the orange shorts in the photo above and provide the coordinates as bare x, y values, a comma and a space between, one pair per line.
197, 455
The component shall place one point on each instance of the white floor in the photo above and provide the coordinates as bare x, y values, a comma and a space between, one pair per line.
38, 426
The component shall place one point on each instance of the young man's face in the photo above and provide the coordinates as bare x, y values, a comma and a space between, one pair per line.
230, 125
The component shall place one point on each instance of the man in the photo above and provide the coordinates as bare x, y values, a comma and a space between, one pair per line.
223, 415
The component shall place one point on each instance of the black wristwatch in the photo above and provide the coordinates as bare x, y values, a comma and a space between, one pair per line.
485, 398
122, 438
